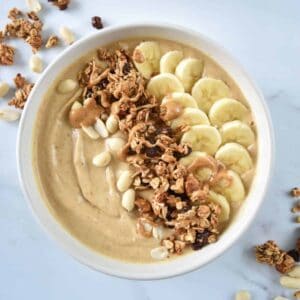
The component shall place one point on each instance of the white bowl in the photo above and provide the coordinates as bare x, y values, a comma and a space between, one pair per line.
184, 263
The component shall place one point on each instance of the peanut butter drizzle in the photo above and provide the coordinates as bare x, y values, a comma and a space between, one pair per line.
85, 115
172, 110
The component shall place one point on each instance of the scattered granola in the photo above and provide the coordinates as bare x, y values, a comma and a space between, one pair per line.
52, 41
7, 54
22, 93
97, 22
28, 29
272, 255
61, 4
295, 192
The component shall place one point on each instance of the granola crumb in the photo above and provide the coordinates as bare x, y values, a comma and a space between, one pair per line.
14, 13
52, 41
23, 90
97, 22
61, 4
295, 192
29, 29
7, 54
269, 253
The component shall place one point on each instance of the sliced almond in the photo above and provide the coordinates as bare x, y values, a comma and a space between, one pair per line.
159, 253
34, 5
128, 199
36, 64
66, 86
101, 128
242, 295
67, 35
9, 115
102, 159
4, 88
290, 282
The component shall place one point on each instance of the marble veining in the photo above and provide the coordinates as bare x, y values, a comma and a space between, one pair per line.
264, 37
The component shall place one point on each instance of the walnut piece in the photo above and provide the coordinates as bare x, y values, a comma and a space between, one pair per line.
295, 192
61, 4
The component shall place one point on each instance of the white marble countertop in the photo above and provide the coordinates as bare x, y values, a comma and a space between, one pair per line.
264, 37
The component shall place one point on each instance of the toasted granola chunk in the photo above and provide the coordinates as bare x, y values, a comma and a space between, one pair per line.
52, 41
23, 90
269, 253
295, 192
7, 54
61, 4
14, 13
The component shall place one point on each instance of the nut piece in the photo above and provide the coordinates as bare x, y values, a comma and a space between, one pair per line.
112, 124
286, 265
159, 253
157, 232
52, 41
4, 88
128, 199
66, 86
101, 128
36, 64
9, 115
295, 272
102, 159
242, 295
115, 144
290, 282
297, 295
67, 35
34, 5
90, 132
124, 181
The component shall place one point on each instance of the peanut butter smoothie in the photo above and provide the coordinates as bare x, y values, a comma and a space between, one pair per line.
144, 150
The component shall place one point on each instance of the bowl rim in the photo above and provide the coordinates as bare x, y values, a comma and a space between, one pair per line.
67, 245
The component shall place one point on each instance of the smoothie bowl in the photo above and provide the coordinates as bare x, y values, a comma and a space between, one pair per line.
145, 150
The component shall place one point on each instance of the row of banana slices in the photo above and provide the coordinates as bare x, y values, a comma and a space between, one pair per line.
218, 123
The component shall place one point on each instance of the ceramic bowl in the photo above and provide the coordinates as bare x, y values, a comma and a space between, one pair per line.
245, 214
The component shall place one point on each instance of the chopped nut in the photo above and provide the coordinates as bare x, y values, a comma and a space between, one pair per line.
295, 192
67, 35
9, 115
242, 295
33, 16
19, 81
36, 64
52, 41
97, 22
289, 282
4, 88
6, 55
34, 5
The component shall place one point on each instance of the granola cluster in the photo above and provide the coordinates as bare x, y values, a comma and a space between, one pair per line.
61, 4
269, 253
7, 54
28, 28
179, 200
23, 89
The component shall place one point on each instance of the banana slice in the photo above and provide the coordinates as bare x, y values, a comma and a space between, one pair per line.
182, 99
222, 201
235, 192
164, 84
207, 91
190, 116
146, 58
227, 109
235, 157
189, 70
203, 138
236, 131
169, 61
202, 174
